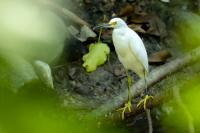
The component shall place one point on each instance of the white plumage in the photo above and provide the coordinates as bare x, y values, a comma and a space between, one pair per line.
131, 53
129, 48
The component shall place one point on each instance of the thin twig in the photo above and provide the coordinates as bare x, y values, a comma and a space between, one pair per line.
99, 38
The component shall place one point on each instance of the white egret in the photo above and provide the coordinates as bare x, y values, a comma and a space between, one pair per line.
131, 53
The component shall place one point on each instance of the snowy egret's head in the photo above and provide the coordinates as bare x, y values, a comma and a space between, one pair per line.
117, 23
113, 23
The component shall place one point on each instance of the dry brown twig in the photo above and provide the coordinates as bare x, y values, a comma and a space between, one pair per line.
156, 75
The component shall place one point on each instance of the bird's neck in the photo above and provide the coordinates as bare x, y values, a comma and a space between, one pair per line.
120, 29
122, 26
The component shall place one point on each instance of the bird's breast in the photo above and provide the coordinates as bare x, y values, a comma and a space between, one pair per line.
121, 44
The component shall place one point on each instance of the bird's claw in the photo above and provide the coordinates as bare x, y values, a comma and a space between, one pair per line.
144, 102
123, 109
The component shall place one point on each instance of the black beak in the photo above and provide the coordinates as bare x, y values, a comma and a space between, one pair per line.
102, 26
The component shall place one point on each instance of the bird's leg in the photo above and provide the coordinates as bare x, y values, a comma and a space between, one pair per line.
128, 104
144, 102
130, 81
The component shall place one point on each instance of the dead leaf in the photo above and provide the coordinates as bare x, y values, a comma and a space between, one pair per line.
158, 26
74, 31
83, 34
139, 10
149, 24
160, 56
87, 1
127, 10
137, 28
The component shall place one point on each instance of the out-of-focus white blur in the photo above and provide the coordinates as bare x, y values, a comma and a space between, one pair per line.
30, 30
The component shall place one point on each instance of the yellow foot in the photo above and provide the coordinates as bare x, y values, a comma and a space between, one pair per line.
144, 102
123, 110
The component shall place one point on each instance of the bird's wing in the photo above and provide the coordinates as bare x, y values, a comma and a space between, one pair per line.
137, 47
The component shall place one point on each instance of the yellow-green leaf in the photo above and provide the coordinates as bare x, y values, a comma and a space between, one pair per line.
97, 56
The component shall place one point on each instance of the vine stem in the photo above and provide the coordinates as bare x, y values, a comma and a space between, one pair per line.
100, 33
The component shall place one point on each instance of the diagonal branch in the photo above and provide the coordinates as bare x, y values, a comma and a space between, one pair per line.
156, 75
65, 13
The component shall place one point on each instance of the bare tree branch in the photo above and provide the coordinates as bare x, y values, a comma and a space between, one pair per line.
156, 75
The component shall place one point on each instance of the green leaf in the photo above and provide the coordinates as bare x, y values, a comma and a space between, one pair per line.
97, 56
15, 72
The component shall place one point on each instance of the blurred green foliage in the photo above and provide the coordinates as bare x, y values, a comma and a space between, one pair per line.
188, 30
36, 109
30, 32
187, 33
177, 120
15, 72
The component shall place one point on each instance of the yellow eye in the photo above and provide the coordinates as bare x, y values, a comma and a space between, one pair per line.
113, 23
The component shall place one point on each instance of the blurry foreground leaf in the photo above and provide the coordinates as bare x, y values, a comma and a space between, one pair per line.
184, 110
15, 72
188, 30
41, 36
28, 32
97, 56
